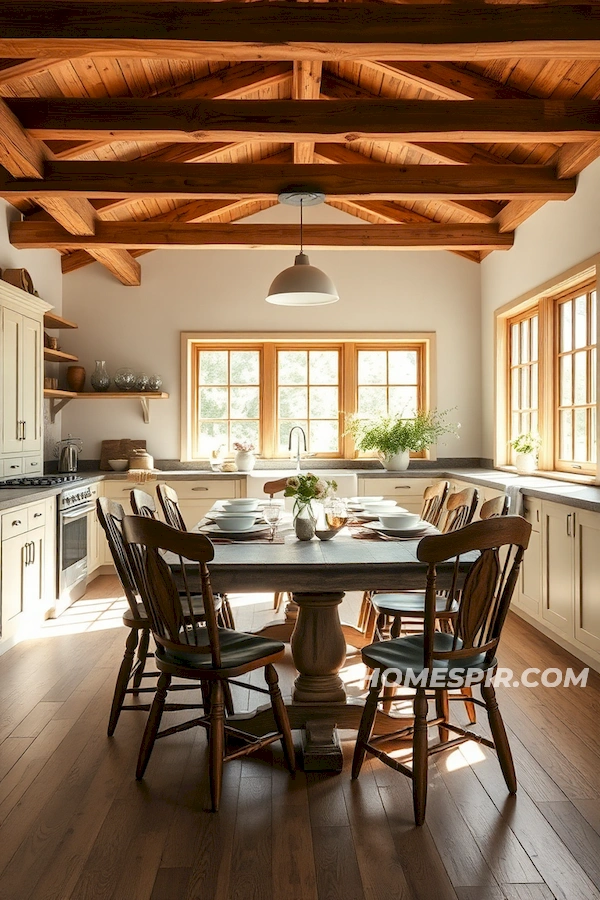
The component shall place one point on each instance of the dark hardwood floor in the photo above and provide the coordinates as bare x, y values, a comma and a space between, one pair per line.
75, 825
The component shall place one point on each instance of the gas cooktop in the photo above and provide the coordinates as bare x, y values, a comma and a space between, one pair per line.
40, 481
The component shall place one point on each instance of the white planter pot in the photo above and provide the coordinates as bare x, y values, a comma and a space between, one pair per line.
245, 460
396, 463
526, 463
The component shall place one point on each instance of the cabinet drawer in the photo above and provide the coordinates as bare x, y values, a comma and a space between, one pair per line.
36, 514
13, 466
14, 522
32, 465
394, 487
209, 489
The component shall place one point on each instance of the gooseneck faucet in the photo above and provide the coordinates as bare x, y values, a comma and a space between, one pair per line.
303, 433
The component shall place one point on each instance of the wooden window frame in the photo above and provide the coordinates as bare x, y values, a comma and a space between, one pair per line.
574, 282
269, 344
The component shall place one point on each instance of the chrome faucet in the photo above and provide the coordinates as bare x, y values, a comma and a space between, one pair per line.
303, 433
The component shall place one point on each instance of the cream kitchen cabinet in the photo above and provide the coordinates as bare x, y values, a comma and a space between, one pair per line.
95, 534
528, 595
196, 496
558, 561
587, 579
28, 567
408, 492
21, 380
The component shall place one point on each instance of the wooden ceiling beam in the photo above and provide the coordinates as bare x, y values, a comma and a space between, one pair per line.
335, 88
242, 31
21, 155
233, 83
306, 85
481, 210
447, 81
377, 181
150, 235
290, 121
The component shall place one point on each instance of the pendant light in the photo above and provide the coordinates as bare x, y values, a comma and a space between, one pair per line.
302, 284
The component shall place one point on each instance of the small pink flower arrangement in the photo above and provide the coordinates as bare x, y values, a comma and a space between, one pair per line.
243, 446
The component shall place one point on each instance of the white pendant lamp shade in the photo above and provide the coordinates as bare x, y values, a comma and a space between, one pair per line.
302, 284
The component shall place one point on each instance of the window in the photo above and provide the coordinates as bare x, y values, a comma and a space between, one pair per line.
241, 390
550, 382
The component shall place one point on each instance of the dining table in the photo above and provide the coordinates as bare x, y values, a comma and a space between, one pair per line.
316, 575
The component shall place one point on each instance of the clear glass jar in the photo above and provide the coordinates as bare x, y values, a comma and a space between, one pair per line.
100, 379
125, 379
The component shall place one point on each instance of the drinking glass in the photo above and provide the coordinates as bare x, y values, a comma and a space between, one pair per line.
272, 513
336, 513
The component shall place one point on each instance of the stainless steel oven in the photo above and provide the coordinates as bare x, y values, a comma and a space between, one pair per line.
74, 507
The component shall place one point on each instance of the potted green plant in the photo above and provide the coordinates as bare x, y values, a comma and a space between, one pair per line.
526, 447
395, 437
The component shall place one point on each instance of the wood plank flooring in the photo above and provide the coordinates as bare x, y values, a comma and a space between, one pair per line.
75, 825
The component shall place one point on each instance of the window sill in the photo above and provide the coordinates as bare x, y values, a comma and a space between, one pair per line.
556, 476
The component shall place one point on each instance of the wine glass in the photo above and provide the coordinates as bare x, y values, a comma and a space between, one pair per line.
271, 514
336, 513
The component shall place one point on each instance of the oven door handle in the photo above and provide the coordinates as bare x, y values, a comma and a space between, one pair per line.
79, 512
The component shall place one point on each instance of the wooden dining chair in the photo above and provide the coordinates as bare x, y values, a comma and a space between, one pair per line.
169, 503
432, 508
271, 488
497, 506
439, 661
111, 515
143, 504
190, 649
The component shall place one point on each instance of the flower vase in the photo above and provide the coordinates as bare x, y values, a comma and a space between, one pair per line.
100, 378
525, 463
398, 462
305, 523
245, 460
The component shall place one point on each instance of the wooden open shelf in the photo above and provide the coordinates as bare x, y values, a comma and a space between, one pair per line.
59, 356
58, 399
52, 320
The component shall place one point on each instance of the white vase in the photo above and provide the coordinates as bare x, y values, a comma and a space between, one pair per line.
525, 463
245, 460
305, 522
398, 462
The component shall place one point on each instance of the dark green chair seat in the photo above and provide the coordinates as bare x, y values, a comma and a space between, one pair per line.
407, 654
409, 603
237, 651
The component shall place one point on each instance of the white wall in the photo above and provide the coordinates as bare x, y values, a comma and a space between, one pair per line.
44, 268
559, 236
224, 290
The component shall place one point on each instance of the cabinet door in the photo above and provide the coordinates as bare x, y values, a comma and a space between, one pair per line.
31, 402
587, 585
13, 568
528, 595
33, 574
12, 324
558, 529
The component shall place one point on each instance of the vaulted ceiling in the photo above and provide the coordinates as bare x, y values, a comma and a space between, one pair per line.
125, 127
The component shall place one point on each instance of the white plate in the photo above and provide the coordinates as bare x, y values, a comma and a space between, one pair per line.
420, 528
360, 500
215, 531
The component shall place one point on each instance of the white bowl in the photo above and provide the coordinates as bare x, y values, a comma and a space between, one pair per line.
242, 505
399, 520
362, 500
118, 465
379, 504
235, 514
235, 523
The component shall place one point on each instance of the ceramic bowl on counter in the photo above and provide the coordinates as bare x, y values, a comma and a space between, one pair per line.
399, 519
118, 465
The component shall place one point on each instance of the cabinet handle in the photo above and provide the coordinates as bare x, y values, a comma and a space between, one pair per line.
569, 524
15, 466
200, 489
37, 515
402, 487
32, 553
24, 428
15, 522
